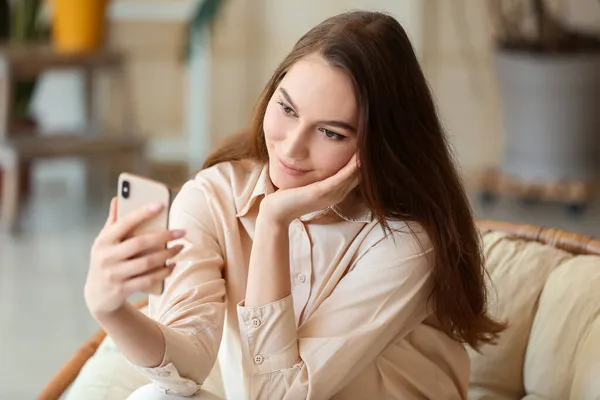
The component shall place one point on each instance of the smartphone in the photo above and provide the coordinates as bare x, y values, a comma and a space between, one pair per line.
135, 192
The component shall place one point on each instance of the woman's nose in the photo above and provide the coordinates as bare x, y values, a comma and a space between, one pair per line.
295, 144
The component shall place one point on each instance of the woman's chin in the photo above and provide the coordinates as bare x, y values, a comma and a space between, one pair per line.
282, 181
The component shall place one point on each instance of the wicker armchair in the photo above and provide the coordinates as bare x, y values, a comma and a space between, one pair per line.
567, 241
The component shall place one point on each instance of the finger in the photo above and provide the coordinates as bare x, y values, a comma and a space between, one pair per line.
145, 282
353, 184
345, 174
354, 163
140, 244
140, 266
345, 188
112, 213
351, 173
121, 228
350, 168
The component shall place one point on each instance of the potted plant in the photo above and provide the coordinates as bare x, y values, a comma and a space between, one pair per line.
78, 26
549, 81
25, 26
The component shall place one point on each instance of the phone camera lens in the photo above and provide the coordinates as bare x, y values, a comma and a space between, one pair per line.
125, 189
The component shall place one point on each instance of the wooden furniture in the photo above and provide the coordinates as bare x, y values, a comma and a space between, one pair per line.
492, 183
571, 242
18, 63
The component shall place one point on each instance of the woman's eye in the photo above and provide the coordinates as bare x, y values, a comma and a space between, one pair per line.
286, 109
332, 135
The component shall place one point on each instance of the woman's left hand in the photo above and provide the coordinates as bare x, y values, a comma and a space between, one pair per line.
286, 205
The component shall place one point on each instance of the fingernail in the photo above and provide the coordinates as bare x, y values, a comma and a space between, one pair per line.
177, 248
154, 207
176, 234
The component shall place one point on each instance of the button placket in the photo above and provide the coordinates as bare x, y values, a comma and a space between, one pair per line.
303, 258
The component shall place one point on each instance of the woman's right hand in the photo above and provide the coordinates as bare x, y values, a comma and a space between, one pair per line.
121, 266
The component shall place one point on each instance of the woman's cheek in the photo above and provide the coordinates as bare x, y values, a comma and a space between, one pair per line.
274, 124
268, 123
331, 159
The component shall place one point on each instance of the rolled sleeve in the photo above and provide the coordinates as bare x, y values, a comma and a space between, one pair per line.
166, 376
269, 337
167, 379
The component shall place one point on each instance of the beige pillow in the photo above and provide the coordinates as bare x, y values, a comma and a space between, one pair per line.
562, 339
586, 385
518, 271
106, 376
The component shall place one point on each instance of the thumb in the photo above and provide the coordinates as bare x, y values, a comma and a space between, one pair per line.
112, 214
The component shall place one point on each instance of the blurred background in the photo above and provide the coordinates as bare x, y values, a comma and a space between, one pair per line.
88, 89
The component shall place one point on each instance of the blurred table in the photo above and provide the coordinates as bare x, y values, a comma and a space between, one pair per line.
19, 63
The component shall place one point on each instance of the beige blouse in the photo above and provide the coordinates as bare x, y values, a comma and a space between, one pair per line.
356, 325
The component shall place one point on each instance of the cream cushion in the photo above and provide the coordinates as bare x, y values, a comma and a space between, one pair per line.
551, 300
107, 375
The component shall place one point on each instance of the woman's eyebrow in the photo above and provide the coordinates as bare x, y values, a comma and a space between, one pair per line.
287, 97
338, 124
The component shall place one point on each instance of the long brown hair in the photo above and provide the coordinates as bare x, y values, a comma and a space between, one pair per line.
407, 171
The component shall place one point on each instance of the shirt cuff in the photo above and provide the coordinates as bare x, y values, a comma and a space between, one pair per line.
269, 335
166, 376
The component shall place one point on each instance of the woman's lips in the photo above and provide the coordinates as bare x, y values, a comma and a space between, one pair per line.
291, 170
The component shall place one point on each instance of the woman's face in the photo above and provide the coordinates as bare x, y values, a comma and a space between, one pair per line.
310, 124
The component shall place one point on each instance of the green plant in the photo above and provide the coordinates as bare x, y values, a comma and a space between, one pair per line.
535, 25
25, 23
25, 27
4, 20
203, 16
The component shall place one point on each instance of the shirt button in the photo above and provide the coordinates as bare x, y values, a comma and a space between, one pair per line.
165, 374
301, 278
258, 359
255, 322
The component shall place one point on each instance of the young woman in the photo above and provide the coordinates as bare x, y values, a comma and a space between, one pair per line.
330, 252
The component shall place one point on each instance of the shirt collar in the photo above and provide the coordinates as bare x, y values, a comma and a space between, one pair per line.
260, 186
351, 209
